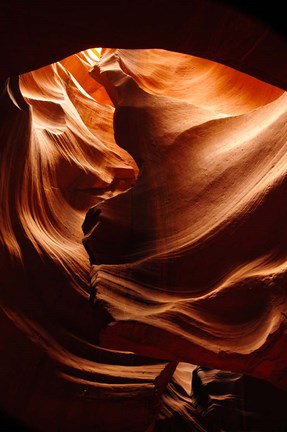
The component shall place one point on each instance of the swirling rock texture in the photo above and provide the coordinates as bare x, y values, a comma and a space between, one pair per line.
143, 239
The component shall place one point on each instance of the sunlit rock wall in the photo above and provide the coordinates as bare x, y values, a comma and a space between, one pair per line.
195, 250
143, 239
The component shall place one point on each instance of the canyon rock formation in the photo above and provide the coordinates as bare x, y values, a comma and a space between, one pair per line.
143, 235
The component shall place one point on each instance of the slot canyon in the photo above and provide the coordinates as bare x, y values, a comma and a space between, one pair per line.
143, 178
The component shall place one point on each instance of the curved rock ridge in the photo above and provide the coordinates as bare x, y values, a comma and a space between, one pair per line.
192, 259
203, 83
59, 157
173, 169
64, 137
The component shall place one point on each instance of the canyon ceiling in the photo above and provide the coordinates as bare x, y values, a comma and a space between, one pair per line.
143, 216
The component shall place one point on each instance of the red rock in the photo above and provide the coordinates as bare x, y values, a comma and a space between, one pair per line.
167, 159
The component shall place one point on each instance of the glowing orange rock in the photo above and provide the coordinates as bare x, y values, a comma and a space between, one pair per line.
191, 260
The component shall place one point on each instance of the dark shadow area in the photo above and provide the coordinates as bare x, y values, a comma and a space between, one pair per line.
9, 423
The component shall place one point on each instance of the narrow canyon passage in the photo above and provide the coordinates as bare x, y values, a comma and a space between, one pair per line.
143, 235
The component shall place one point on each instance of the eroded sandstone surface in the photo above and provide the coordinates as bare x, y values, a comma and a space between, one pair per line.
143, 233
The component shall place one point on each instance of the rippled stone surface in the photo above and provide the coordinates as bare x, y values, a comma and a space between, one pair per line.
142, 218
